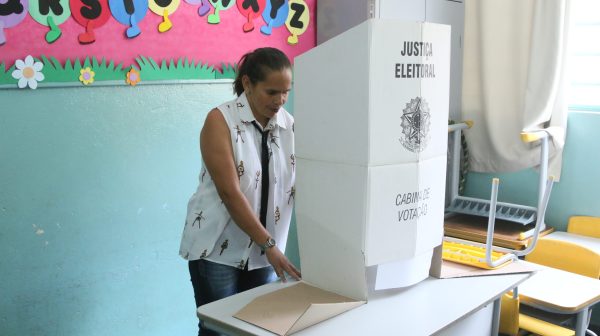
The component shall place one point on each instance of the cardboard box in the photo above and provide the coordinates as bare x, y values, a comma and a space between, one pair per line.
371, 111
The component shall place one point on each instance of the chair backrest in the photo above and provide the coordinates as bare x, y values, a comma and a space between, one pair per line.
566, 256
584, 225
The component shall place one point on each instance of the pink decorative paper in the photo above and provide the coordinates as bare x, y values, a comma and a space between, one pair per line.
191, 37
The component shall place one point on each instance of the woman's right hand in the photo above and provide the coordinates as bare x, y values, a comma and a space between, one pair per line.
281, 264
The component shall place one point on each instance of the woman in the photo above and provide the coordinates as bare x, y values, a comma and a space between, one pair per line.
239, 217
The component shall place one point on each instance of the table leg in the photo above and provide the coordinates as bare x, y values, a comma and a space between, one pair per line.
581, 324
496, 317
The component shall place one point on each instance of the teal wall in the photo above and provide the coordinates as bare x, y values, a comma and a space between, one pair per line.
94, 186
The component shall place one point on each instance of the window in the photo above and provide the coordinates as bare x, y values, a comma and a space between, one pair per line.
584, 56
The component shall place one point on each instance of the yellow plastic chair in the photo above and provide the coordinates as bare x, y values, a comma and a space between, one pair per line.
566, 256
509, 315
559, 254
511, 321
585, 226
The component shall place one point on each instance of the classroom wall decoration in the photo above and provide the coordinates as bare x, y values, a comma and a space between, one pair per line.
86, 42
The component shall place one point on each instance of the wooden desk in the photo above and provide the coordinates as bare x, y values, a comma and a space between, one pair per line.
585, 241
562, 292
474, 228
432, 306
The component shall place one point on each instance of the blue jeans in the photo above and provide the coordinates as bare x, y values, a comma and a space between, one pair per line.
212, 281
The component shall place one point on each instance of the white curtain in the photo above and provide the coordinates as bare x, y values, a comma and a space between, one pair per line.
514, 81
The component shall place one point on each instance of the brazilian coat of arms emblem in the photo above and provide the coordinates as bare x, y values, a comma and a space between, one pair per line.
415, 124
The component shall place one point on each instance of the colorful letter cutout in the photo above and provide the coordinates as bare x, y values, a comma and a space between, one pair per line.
275, 15
297, 21
50, 13
90, 14
204, 6
12, 12
250, 9
164, 8
129, 13
219, 5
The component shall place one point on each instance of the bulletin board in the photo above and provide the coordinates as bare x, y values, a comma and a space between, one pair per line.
86, 42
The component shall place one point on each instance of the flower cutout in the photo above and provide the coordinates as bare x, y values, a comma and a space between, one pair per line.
133, 77
86, 76
28, 72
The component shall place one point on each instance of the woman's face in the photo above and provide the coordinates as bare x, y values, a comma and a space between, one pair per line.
268, 96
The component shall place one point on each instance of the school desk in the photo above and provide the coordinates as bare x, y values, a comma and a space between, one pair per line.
591, 243
558, 291
468, 305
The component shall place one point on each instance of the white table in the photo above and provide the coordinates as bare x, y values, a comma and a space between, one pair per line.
558, 291
424, 309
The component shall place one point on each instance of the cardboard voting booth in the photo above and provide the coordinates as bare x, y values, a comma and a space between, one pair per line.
371, 111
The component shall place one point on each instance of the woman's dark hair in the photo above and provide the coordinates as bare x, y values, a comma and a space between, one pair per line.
257, 64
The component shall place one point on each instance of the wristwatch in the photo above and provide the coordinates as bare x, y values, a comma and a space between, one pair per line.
268, 244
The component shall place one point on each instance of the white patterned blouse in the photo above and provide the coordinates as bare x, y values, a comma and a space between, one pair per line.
209, 231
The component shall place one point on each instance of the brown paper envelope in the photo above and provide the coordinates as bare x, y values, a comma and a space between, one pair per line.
319, 312
294, 308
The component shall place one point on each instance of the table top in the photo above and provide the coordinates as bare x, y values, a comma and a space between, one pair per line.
559, 291
591, 243
422, 309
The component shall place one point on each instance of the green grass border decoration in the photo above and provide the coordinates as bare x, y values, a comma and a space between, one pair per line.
6, 76
183, 69
55, 73
227, 71
106, 70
